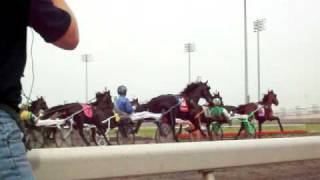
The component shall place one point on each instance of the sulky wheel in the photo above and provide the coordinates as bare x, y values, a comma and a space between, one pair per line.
63, 137
77, 140
35, 138
129, 138
167, 134
100, 140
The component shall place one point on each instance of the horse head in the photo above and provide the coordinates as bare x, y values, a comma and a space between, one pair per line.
104, 100
135, 103
198, 90
216, 97
270, 98
37, 105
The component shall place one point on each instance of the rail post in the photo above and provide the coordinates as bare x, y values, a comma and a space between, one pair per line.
207, 175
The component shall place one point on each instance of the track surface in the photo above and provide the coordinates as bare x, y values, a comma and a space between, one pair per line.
299, 170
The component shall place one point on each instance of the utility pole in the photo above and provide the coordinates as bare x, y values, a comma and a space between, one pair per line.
189, 48
259, 25
246, 79
86, 58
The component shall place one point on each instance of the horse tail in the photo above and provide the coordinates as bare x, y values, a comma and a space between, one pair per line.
232, 109
48, 113
142, 107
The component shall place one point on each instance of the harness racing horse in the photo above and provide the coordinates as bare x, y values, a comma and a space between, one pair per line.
38, 105
101, 110
208, 119
263, 114
169, 105
34, 135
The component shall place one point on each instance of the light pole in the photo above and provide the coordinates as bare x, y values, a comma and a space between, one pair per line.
86, 58
189, 48
259, 25
246, 79
199, 78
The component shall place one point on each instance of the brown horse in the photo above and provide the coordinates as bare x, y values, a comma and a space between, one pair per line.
169, 105
102, 109
265, 113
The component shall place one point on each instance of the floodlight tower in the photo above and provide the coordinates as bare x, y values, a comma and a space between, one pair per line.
189, 48
259, 25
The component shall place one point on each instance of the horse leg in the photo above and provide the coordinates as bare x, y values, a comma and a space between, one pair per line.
124, 126
196, 135
280, 125
260, 129
158, 124
99, 127
173, 123
200, 132
209, 131
93, 136
180, 129
138, 125
80, 129
82, 135
240, 130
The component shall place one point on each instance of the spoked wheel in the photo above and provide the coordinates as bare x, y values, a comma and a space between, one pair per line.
122, 139
167, 136
101, 141
63, 137
217, 131
77, 140
35, 138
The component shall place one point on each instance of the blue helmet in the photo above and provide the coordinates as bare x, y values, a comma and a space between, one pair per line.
122, 90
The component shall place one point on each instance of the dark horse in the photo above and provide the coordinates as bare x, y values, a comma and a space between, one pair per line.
38, 105
102, 109
169, 104
262, 115
34, 137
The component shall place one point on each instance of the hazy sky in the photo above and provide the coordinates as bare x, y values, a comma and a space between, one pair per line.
140, 43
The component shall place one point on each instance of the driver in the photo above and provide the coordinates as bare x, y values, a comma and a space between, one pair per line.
122, 103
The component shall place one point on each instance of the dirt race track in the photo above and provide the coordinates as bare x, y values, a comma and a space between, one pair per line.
299, 170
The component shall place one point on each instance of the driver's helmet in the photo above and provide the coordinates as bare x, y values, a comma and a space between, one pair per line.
217, 101
122, 90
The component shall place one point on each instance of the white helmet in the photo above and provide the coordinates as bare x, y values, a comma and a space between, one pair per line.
217, 101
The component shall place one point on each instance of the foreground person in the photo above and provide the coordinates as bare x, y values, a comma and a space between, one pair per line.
55, 22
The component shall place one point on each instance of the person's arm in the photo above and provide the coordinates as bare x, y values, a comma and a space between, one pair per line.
70, 39
55, 22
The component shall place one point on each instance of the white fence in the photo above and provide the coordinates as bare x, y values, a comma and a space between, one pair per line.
298, 111
132, 160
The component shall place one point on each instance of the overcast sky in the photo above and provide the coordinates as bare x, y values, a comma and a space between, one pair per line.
140, 43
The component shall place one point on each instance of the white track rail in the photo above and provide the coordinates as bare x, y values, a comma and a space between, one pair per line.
132, 160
